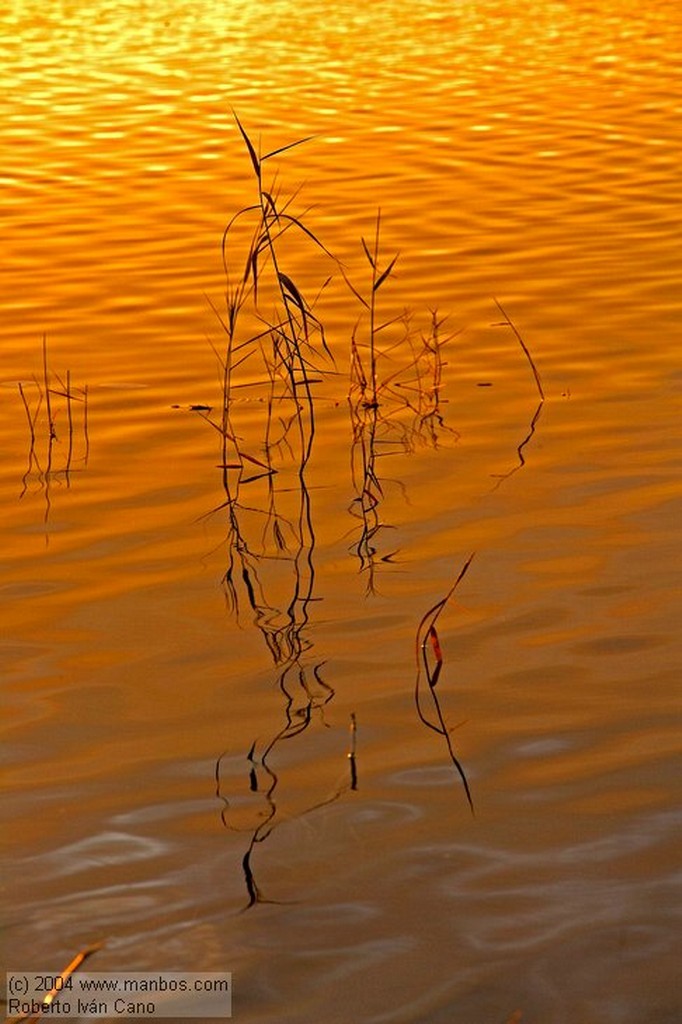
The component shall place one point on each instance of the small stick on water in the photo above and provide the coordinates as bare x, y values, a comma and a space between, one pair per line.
58, 986
69, 970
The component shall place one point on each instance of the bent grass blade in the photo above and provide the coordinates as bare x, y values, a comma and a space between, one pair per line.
427, 636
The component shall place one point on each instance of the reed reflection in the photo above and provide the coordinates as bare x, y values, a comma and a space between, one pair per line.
270, 541
252, 576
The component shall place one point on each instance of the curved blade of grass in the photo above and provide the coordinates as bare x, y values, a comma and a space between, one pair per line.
283, 149
382, 277
252, 153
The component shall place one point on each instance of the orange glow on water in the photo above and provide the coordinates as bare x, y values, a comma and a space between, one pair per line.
186, 687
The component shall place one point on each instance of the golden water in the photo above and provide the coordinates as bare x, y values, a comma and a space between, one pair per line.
528, 152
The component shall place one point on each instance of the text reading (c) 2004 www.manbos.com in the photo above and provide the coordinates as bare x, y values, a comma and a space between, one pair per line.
172, 994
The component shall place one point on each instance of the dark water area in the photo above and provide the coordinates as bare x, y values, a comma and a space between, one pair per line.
213, 759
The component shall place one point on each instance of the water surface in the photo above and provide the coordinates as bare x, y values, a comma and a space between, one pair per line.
528, 153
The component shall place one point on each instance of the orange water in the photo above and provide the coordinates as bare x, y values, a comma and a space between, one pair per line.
528, 152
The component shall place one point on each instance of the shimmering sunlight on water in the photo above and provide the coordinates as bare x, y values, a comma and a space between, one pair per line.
188, 668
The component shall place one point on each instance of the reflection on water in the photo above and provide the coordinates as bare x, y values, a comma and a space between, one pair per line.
528, 153
283, 354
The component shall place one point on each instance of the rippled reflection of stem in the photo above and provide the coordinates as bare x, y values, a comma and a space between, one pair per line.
289, 352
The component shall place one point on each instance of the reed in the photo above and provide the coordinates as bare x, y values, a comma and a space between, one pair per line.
508, 322
526, 351
364, 374
427, 643
287, 350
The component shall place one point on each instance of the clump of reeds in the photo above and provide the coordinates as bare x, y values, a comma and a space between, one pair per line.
393, 367
275, 347
50, 408
274, 351
395, 396
269, 323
